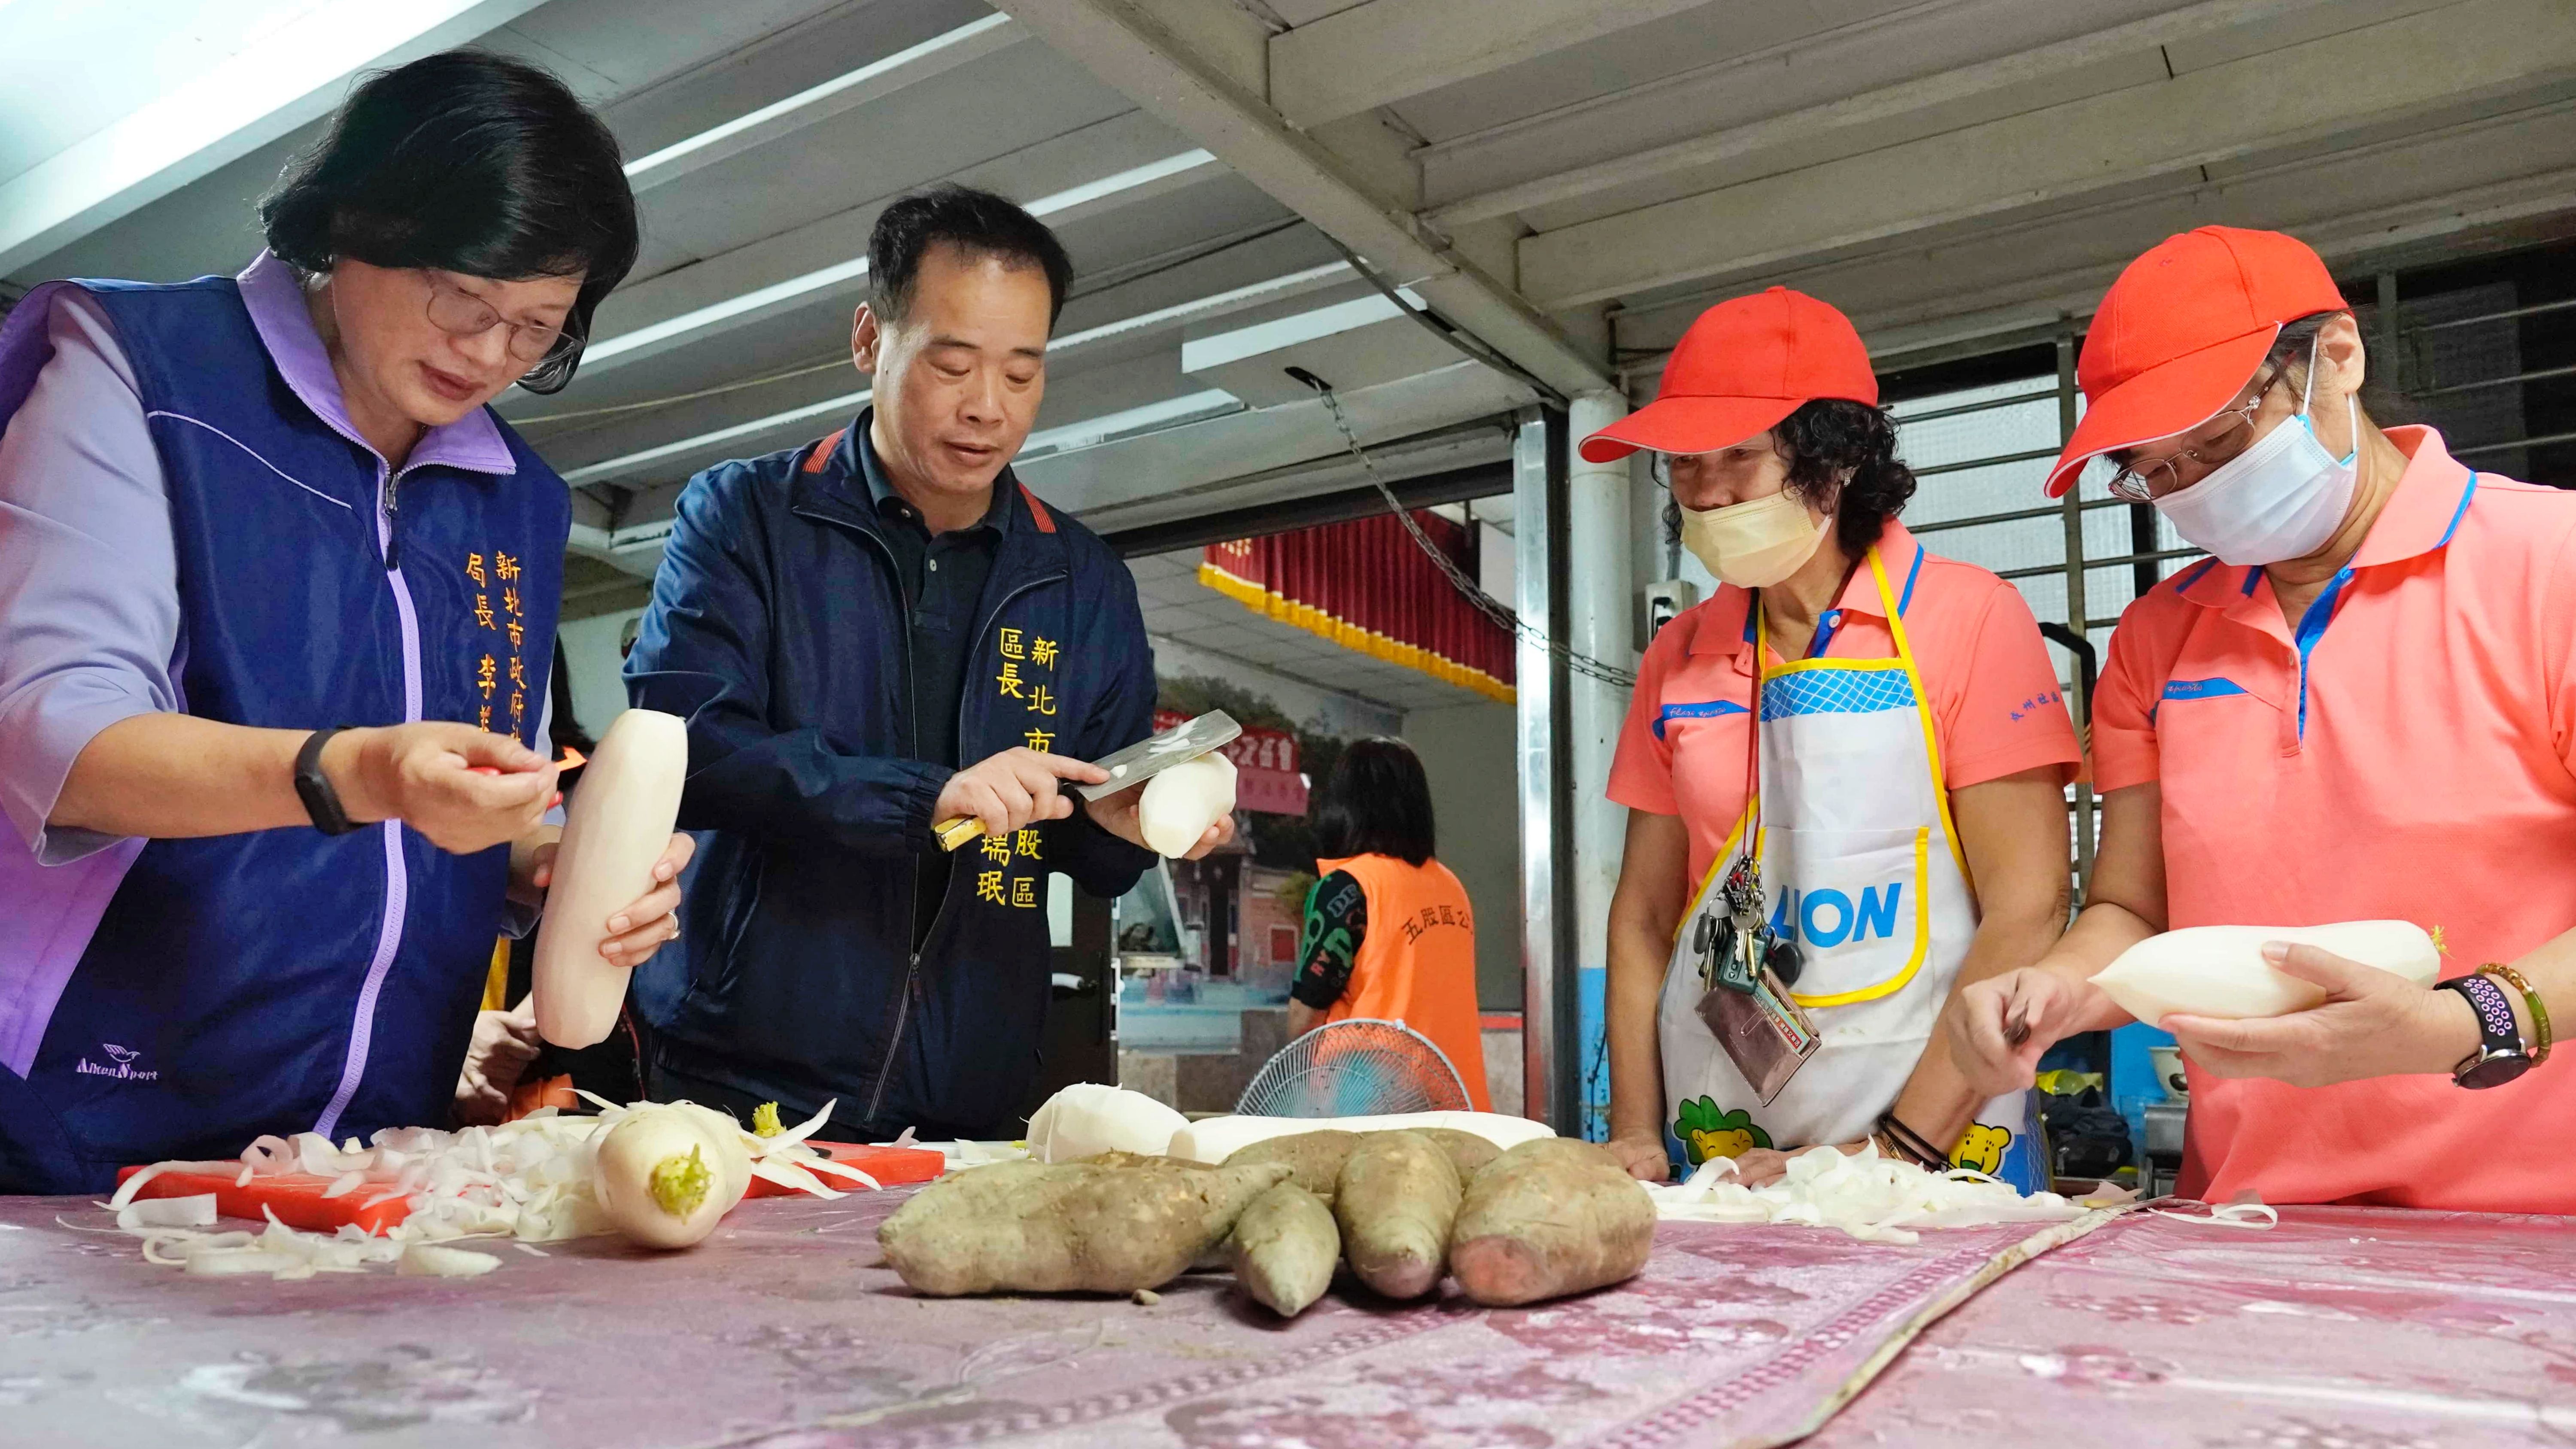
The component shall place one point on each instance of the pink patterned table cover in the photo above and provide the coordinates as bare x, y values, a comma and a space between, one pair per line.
2343, 1328
783, 1332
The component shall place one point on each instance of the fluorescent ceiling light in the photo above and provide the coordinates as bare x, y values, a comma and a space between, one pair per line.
840, 273
611, 467
872, 82
1092, 431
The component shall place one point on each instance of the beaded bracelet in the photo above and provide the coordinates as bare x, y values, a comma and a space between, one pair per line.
1910, 1145
2531, 999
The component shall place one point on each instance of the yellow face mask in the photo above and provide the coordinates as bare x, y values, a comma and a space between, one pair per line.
1757, 544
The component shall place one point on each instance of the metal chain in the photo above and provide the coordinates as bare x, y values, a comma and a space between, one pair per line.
1484, 603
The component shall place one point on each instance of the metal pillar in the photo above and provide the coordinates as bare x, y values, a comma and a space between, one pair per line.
1599, 625
1551, 1038
2077, 604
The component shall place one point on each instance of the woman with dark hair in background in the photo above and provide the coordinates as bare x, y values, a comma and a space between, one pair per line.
1389, 933
278, 584
1886, 825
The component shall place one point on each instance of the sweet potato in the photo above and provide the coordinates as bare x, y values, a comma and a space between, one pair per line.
1549, 1218
1032, 1227
1284, 1249
1395, 1203
1316, 1158
1467, 1152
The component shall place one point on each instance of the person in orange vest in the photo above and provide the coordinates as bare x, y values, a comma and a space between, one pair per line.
1389, 932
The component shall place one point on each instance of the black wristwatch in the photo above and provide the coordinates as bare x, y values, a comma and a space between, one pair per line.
321, 802
2501, 1055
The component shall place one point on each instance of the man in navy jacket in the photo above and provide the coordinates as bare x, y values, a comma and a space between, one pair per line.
867, 635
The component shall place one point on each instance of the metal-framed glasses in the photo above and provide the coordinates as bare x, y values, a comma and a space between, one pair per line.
460, 313
2147, 482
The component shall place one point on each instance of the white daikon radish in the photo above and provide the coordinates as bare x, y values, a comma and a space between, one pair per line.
1087, 1117
618, 826
1181, 803
2220, 970
429, 1260
732, 1157
1214, 1139
660, 1177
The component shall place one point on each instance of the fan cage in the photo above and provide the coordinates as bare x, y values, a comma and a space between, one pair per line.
1358, 1067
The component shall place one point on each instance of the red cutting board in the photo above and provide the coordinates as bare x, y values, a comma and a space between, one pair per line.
296, 1198
888, 1165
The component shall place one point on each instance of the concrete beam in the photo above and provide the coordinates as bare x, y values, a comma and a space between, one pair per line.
1206, 99
296, 74
2302, 94
868, 84
1915, 35
2284, 99
1366, 56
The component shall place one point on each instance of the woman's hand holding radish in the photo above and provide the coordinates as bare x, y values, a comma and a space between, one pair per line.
2373, 1023
2000, 1027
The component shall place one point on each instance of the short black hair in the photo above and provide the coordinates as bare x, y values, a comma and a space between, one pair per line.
1842, 458
471, 163
1378, 802
976, 222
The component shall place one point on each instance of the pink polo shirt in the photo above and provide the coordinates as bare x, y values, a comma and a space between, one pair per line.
2403, 754
1996, 709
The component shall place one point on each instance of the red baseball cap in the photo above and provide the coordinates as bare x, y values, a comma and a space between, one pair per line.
2183, 329
1743, 366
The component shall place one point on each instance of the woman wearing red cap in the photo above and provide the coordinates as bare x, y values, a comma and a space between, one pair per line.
2362, 706
1812, 858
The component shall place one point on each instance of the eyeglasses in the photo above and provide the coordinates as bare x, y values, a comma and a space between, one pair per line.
1662, 465
460, 313
2145, 483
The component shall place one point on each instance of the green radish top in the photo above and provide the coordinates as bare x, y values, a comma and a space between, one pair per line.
679, 1184
764, 1120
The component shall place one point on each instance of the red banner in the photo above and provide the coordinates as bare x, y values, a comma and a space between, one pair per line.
1367, 586
1266, 770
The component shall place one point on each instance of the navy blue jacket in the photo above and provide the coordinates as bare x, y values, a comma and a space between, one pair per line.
778, 631
278, 980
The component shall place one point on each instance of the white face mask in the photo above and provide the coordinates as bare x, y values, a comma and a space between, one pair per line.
1754, 545
2280, 499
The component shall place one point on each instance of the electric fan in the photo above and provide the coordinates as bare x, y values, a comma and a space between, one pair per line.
1359, 1067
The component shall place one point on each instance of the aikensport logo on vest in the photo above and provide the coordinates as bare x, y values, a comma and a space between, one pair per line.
122, 1071
1826, 918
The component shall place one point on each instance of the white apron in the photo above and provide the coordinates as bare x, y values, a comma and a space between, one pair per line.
1863, 872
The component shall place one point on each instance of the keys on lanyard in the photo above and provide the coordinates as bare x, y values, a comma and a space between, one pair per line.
1733, 940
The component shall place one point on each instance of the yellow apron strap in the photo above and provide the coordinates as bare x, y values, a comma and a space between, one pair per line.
1923, 705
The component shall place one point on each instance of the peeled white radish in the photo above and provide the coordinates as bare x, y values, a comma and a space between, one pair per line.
1214, 1139
1087, 1117
1181, 803
618, 825
660, 1177
2220, 970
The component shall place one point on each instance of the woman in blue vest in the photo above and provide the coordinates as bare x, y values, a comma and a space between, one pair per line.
277, 602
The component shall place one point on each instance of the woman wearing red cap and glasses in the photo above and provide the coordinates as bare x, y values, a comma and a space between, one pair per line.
2362, 706
1887, 822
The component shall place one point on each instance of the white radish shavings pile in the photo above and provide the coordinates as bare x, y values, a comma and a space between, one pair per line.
1875, 1199
532, 1180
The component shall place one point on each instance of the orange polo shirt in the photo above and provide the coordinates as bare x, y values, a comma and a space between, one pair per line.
1996, 709
2403, 754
